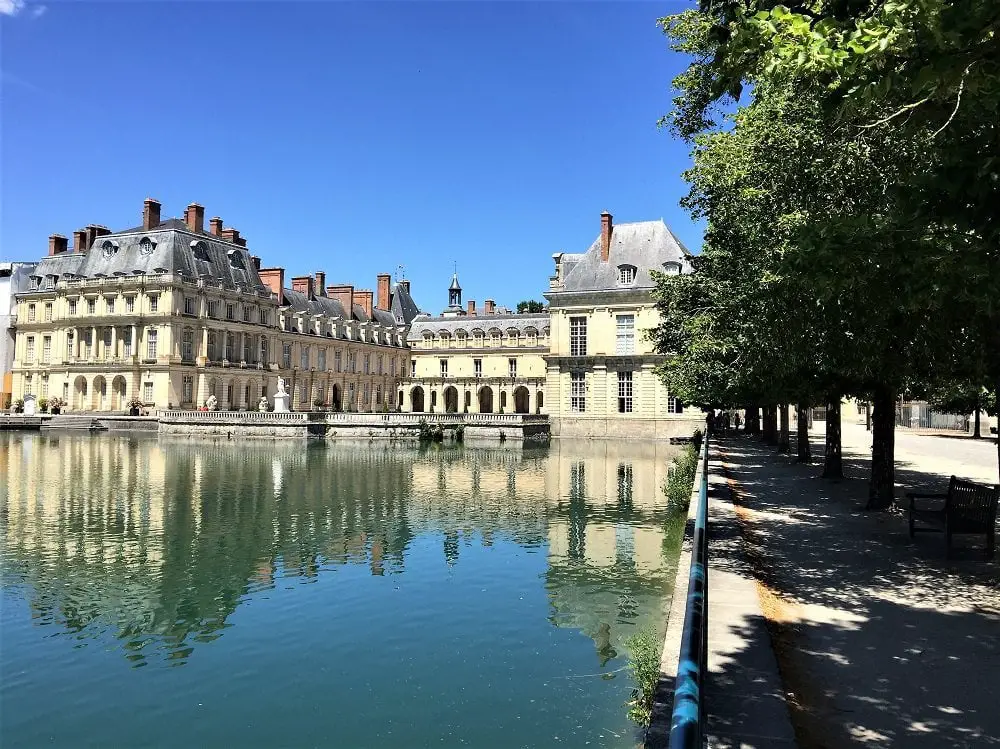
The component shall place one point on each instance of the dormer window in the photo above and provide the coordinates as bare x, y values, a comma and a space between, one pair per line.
672, 269
236, 259
33, 283
146, 246
626, 274
200, 250
109, 248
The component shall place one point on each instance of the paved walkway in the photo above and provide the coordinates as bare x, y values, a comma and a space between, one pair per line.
880, 641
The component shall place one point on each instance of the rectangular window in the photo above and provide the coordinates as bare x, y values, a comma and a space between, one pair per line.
127, 343
674, 406
229, 396
85, 344
512, 367
336, 361
151, 343
29, 354
578, 392
625, 327
303, 394
380, 363
108, 353
247, 312
321, 360
91, 306
188, 305
626, 274
65, 395
48, 311
495, 340
45, 386
188, 388
477, 367
130, 304
213, 308
263, 350
230, 311
578, 336
31, 313
413, 367
624, 392
46, 349
109, 305
147, 392
72, 306
368, 363
154, 303
304, 358
263, 317
444, 367
69, 346
247, 348
286, 355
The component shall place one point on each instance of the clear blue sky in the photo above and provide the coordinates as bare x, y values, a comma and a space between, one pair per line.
346, 137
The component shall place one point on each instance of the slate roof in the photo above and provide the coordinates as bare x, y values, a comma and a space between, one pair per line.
647, 245
402, 305
170, 247
434, 325
297, 301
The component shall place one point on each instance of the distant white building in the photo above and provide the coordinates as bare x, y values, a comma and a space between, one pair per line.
13, 279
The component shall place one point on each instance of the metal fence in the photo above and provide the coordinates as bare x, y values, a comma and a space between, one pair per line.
922, 416
687, 724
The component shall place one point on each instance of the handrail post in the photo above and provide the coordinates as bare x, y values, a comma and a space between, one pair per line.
687, 723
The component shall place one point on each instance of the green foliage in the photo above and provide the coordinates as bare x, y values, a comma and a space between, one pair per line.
530, 305
43, 405
430, 432
679, 483
460, 433
19, 406
644, 664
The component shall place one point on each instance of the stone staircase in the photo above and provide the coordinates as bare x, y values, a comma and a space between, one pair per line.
74, 421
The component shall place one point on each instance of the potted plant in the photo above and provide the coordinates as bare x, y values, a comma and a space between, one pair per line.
43, 405
56, 405
318, 403
135, 406
19, 406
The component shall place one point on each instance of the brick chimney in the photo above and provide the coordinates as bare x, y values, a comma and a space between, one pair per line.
194, 217
150, 213
490, 307
320, 285
343, 293
230, 234
215, 226
606, 229
256, 262
384, 280
80, 240
274, 279
364, 299
304, 285
93, 231
472, 307
57, 244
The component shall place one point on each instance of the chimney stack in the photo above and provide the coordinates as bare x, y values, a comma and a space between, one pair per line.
150, 213
384, 280
274, 279
490, 307
194, 217
606, 229
364, 299
215, 226
231, 235
472, 307
80, 240
304, 285
256, 262
57, 244
92, 232
320, 285
344, 294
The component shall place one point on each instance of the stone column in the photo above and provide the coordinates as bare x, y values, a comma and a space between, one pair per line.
114, 342
135, 341
93, 343
201, 393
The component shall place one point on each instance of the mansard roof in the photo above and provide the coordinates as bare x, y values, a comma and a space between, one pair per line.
402, 306
171, 247
426, 324
645, 245
298, 301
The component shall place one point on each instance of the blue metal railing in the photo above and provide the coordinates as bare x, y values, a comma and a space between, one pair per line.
688, 720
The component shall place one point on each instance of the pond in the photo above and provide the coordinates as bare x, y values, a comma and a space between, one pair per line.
163, 593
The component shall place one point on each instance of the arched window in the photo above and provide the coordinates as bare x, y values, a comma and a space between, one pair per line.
146, 246
200, 250
672, 269
626, 274
109, 248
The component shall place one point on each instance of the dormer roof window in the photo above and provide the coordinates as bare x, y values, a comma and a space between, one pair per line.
200, 250
109, 248
626, 274
146, 246
672, 269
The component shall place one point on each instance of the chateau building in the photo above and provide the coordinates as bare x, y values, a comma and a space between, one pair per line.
13, 279
171, 314
600, 378
470, 361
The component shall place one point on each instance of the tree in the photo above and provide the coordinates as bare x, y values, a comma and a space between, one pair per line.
530, 306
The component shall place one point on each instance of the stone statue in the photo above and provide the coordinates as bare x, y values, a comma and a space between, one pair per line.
262, 406
281, 386
212, 403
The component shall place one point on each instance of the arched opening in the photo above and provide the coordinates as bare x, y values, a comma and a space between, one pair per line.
451, 400
399, 401
335, 398
417, 400
118, 387
539, 401
503, 400
468, 399
521, 398
486, 400
99, 398
80, 394
434, 399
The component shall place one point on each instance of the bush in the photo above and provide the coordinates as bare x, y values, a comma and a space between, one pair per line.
43, 405
644, 665
680, 479
696, 440
460, 433
19, 406
319, 402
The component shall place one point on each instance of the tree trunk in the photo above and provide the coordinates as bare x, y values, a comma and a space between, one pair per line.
868, 417
833, 465
805, 453
752, 423
977, 434
783, 440
882, 485
769, 433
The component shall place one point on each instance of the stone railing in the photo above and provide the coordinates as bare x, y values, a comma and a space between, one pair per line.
343, 419
243, 417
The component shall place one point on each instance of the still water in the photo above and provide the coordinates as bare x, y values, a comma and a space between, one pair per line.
201, 594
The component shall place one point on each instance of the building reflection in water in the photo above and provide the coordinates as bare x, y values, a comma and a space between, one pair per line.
157, 542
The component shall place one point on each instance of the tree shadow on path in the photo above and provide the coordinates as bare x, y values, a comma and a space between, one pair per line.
880, 640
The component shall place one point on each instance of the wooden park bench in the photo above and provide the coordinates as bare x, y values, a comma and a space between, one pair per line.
968, 508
